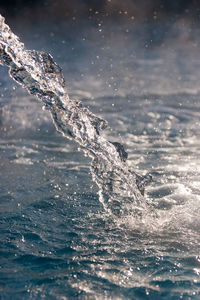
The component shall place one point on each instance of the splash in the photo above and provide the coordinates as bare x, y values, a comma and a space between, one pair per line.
120, 189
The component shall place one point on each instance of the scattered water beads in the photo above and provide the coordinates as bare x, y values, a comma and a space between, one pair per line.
120, 189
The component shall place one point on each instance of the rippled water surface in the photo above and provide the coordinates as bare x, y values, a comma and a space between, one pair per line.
57, 241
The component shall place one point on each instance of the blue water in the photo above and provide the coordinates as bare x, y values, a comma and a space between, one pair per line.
57, 241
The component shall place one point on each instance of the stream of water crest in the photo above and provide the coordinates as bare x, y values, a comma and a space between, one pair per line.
89, 226
41, 76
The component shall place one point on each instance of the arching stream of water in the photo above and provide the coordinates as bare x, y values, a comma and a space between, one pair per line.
41, 76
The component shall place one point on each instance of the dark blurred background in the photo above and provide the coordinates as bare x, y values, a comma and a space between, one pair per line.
114, 47
144, 10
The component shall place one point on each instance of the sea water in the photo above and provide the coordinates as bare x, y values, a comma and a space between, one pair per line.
57, 239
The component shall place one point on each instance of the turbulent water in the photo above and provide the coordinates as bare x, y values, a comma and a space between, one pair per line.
57, 240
